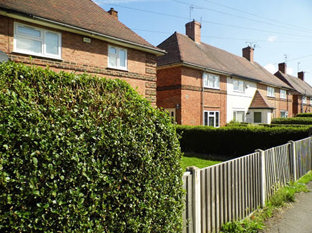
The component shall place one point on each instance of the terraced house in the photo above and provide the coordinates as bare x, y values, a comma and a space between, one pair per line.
77, 36
203, 85
302, 96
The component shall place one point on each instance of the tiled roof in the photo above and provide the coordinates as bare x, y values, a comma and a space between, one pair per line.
258, 102
299, 85
182, 49
83, 14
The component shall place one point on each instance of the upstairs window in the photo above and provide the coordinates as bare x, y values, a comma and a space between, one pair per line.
238, 85
36, 41
117, 58
211, 81
270, 92
283, 94
304, 99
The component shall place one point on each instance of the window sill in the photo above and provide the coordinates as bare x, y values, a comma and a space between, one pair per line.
272, 97
218, 89
119, 69
37, 56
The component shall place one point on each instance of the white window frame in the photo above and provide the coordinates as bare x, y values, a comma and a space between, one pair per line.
211, 81
270, 91
235, 117
42, 39
213, 114
118, 49
304, 99
238, 86
311, 101
284, 112
283, 94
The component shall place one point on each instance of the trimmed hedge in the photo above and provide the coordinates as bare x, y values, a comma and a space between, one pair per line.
293, 120
236, 141
83, 154
304, 115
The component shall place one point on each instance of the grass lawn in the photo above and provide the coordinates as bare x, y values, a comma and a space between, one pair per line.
188, 161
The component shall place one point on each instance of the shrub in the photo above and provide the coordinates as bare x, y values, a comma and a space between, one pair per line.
304, 114
235, 141
293, 120
83, 154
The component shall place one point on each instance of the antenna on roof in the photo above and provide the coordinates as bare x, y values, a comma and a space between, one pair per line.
285, 58
191, 9
251, 44
298, 66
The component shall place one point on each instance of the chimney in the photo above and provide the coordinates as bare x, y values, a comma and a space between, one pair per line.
193, 30
113, 13
248, 53
301, 75
282, 67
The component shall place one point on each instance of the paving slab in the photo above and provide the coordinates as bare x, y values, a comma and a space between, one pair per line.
295, 218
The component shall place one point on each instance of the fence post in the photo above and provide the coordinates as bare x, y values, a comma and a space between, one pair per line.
263, 177
293, 158
196, 198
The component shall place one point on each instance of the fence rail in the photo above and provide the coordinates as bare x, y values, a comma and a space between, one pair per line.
233, 189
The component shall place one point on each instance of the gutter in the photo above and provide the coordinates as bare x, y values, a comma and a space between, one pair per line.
81, 31
203, 68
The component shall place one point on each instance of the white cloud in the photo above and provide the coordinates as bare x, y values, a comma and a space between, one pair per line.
272, 39
271, 68
290, 70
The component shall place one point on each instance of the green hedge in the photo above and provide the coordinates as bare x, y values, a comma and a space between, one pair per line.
293, 120
304, 115
236, 141
83, 154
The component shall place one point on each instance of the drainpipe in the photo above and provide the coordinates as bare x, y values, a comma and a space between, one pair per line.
202, 100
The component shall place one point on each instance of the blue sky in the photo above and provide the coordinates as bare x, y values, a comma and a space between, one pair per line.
281, 30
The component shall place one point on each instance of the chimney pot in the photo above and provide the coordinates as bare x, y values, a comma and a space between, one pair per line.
282, 67
248, 53
113, 13
193, 30
301, 75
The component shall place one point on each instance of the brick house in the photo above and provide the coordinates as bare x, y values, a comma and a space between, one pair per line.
203, 85
302, 96
77, 36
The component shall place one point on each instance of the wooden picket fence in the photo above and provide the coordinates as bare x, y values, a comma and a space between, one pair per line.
232, 190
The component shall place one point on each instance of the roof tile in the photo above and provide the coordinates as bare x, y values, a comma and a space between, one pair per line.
181, 49
80, 13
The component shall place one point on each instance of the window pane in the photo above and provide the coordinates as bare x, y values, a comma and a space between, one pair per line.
217, 119
52, 43
112, 50
211, 121
205, 118
33, 46
216, 82
205, 80
210, 81
112, 61
122, 58
28, 31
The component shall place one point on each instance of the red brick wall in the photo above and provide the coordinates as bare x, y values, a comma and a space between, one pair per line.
183, 86
80, 57
299, 107
276, 102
